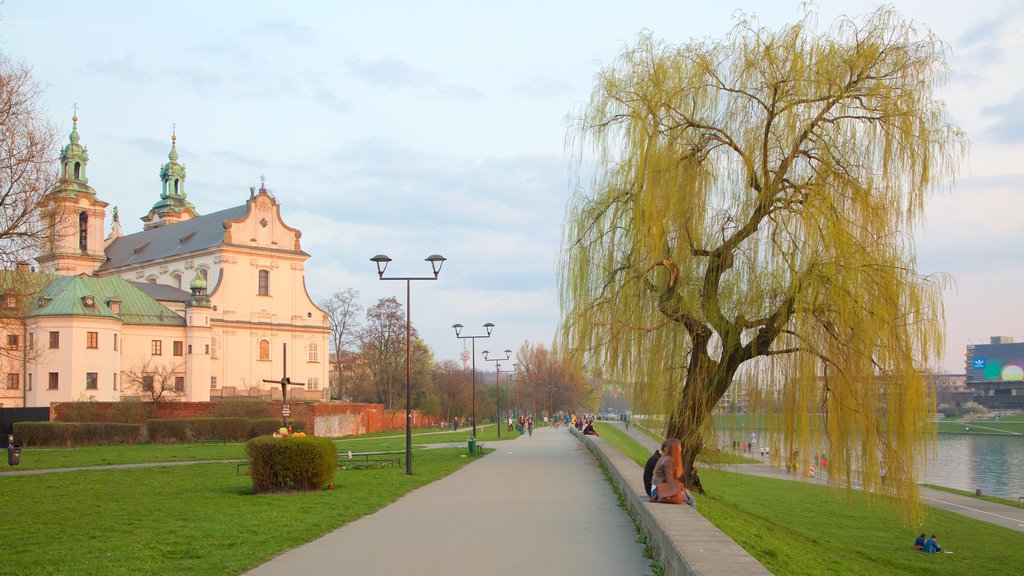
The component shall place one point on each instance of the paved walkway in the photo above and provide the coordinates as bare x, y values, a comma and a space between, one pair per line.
992, 512
536, 505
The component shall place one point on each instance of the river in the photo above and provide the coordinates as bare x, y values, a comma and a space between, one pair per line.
995, 464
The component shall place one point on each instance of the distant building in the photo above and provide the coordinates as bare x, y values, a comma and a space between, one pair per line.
995, 373
213, 301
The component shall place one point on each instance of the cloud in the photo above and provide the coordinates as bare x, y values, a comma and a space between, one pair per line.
196, 77
289, 31
394, 74
546, 88
460, 92
1008, 125
149, 146
390, 72
121, 68
235, 157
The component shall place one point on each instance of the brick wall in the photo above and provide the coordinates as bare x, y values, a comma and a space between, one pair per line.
324, 418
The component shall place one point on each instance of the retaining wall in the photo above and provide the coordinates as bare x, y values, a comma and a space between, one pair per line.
683, 542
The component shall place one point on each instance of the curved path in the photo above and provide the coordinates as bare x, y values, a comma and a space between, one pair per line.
536, 505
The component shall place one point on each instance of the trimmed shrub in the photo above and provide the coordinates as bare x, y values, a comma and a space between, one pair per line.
278, 464
39, 433
163, 431
90, 433
212, 428
166, 431
75, 433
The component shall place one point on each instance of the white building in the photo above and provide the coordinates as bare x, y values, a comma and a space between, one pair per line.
214, 300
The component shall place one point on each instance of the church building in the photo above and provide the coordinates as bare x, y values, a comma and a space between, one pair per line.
192, 307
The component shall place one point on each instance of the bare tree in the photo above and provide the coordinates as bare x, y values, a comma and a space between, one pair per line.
27, 167
549, 382
27, 173
382, 343
343, 311
451, 387
154, 383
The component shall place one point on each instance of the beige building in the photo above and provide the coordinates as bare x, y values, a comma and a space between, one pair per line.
204, 306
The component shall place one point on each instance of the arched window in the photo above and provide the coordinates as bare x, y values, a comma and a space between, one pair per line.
78, 170
264, 288
83, 230
264, 350
151, 279
176, 280
314, 352
175, 187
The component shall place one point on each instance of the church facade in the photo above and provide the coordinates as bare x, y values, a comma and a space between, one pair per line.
192, 307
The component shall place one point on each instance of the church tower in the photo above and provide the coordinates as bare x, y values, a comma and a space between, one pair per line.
198, 338
173, 206
74, 216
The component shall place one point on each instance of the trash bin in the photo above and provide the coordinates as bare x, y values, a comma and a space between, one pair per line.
471, 444
13, 454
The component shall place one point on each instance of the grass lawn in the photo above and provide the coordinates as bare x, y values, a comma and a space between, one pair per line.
996, 499
1006, 425
45, 458
807, 529
198, 519
617, 437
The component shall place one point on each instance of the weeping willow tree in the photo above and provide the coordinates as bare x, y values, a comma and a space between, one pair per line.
752, 218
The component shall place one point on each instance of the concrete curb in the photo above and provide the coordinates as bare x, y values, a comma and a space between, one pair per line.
683, 541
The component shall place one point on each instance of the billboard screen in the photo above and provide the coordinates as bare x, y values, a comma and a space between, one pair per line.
997, 363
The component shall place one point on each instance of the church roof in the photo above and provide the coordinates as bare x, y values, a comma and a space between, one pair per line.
162, 292
70, 296
174, 240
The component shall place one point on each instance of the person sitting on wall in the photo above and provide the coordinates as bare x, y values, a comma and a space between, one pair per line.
649, 468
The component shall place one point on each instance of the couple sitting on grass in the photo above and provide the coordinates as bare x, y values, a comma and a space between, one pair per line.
662, 475
930, 545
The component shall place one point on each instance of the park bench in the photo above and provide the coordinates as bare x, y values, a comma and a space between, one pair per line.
363, 460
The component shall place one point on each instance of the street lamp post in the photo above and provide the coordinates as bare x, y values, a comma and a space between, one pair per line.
497, 384
436, 262
458, 334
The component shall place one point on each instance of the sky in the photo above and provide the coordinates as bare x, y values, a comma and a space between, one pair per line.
418, 128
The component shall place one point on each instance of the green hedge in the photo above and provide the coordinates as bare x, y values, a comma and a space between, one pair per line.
75, 433
182, 430
291, 463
